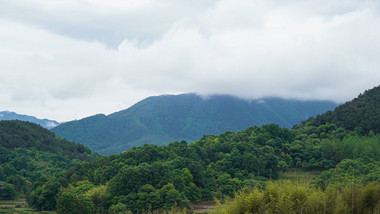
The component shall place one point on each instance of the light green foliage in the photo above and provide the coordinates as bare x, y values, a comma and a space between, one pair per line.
99, 197
349, 171
83, 186
370, 197
187, 176
119, 208
243, 202
286, 197
316, 202
278, 198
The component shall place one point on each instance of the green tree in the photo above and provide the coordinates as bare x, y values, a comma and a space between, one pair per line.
7, 191
66, 203
70, 203
170, 196
119, 208
99, 197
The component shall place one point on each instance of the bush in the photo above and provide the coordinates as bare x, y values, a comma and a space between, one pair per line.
7, 191
70, 203
118, 208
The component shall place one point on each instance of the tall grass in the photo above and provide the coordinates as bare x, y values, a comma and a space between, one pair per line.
288, 197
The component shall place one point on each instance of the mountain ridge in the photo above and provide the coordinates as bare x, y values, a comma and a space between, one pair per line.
167, 118
46, 123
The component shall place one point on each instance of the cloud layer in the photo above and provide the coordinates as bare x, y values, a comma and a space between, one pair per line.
69, 59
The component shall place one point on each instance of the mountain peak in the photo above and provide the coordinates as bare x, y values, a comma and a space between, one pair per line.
163, 119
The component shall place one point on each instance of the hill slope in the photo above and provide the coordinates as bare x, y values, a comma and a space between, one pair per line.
7, 115
29, 151
163, 119
363, 112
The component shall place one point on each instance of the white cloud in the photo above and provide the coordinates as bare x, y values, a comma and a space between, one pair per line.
252, 49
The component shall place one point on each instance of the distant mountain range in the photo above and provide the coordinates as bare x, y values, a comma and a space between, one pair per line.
7, 115
167, 118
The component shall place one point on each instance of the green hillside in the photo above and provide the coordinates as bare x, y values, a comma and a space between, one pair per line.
241, 169
29, 152
163, 119
363, 112
217, 166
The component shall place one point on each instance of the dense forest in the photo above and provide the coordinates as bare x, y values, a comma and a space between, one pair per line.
158, 177
29, 151
362, 112
239, 169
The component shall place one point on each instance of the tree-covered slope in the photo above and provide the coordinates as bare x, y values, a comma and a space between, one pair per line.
362, 112
163, 119
7, 115
216, 166
156, 178
29, 151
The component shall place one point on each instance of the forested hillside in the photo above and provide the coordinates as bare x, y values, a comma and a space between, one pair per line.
216, 166
163, 119
30, 153
363, 112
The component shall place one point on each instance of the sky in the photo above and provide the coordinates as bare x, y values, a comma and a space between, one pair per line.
69, 59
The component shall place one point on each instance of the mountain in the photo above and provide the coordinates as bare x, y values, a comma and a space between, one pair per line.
7, 115
167, 118
362, 112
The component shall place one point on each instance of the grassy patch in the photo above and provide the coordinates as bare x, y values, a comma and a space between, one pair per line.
299, 176
204, 207
18, 206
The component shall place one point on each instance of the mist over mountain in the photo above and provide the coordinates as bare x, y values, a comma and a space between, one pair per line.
167, 118
8, 115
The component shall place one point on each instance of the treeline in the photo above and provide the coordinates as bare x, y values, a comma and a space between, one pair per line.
29, 151
159, 177
286, 197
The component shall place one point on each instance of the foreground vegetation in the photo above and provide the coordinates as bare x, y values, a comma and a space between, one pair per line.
287, 197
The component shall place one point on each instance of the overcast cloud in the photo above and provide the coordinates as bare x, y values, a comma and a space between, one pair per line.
69, 59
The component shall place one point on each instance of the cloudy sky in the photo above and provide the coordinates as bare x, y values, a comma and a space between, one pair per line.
67, 59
